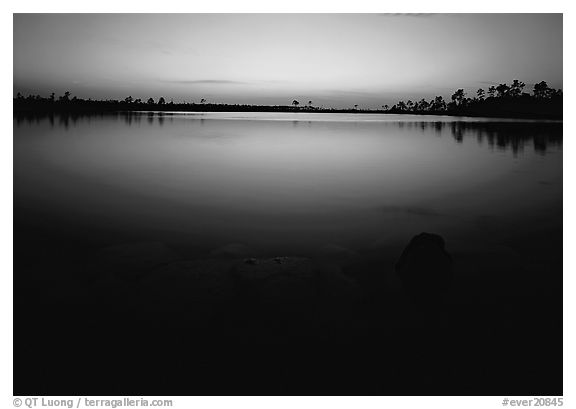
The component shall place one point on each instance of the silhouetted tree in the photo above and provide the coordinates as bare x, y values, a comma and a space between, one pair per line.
502, 90
491, 91
542, 91
65, 97
202, 101
161, 101
355, 106
423, 105
459, 97
129, 100
150, 101
295, 103
438, 104
480, 94
516, 88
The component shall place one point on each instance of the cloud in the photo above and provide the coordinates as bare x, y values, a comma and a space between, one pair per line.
212, 82
407, 14
351, 92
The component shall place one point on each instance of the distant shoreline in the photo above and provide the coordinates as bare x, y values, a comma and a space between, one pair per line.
34, 109
499, 102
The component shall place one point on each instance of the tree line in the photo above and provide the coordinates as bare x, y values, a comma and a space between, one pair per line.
67, 103
502, 100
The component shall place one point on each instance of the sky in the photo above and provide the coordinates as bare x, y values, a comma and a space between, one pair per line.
334, 60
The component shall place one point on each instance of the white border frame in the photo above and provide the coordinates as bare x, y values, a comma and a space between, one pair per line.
308, 6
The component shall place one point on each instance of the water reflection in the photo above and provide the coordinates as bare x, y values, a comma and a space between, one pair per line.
514, 136
140, 216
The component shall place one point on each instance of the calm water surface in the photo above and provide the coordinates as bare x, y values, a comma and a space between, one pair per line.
287, 183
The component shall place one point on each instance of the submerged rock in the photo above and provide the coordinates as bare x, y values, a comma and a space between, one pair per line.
425, 268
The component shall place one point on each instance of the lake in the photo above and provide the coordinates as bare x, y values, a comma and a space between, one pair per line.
254, 253
288, 183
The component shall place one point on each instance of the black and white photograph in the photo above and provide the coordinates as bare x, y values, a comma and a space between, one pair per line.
288, 204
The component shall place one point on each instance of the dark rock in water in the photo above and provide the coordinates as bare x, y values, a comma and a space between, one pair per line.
425, 268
